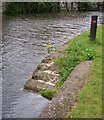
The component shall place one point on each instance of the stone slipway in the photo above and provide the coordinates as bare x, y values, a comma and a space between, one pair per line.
66, 97
46, 74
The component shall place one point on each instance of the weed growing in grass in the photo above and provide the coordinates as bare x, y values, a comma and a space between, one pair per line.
88, 54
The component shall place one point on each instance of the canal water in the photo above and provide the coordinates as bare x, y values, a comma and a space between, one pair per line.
23, 41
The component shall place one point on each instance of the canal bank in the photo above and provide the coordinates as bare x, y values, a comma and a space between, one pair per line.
83, 76
23, 42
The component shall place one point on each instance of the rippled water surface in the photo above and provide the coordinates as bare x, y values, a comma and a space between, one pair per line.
23, 43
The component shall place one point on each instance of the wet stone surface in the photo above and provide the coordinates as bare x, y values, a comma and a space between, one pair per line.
45, 76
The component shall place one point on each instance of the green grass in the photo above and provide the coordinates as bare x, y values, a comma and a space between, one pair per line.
80, 48
48, 93
89, 104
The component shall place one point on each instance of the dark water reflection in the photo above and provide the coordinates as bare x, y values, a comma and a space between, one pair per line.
24, 38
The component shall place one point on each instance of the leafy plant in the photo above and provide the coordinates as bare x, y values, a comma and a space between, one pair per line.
49, 48
88, 54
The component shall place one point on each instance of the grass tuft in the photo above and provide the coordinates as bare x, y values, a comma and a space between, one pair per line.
48, 93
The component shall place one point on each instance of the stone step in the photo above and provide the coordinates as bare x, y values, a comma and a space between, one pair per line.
38, 85
45, 66
46, 75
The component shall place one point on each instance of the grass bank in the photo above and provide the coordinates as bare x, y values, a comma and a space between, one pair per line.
80, 48
89, 104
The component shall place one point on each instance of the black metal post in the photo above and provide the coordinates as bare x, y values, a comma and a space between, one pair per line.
93, 27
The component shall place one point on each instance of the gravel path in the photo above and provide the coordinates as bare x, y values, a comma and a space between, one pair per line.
66, 97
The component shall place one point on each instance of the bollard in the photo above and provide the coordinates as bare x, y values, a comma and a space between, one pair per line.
93, 27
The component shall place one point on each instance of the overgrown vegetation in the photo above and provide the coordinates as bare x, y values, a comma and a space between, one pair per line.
31, 7
89, 104
85, 6
41, 7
